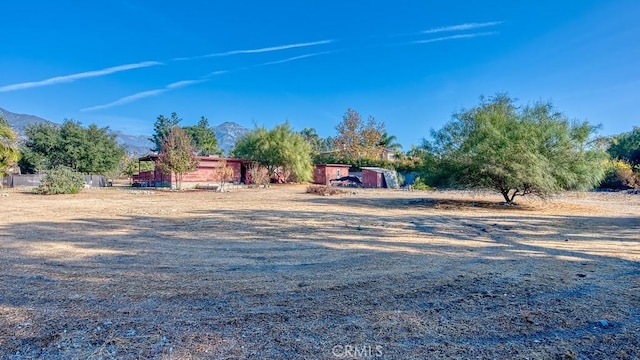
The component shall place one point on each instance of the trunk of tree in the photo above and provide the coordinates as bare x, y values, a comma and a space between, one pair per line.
505, 193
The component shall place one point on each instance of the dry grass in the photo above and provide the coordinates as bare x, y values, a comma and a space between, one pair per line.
279, 273
326, 190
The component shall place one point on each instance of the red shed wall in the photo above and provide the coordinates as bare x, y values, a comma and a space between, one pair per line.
334, 172
323, 174
371, 178
320, 175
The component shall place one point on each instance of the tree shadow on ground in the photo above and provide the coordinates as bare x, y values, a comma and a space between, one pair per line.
278, 283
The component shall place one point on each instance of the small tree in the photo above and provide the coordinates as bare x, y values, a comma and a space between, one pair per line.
279, 149
176, 155
9, 152
258, 173
222, 173
518, 151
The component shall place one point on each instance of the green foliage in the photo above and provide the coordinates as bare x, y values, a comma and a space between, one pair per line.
620, 175
31, 161
87, 150
626, 146
318, 145
367, 162
420, 184
9, 152
61, 180
277, 149
358, 139
176, 155
129, 166
203, 138
389, 142
161, 129
517, 151
334, 158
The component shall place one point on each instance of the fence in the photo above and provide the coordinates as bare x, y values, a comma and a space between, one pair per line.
34, 180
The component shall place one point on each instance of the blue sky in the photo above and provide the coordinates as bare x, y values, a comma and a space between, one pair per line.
410, 64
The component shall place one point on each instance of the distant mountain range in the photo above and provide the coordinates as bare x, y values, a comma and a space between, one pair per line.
227, 133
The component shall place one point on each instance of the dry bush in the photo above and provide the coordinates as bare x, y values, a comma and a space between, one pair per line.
222, 173
325, 190
259, 174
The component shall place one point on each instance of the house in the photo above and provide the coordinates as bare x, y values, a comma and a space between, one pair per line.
373, 177
324, 173
207, 171
388, 154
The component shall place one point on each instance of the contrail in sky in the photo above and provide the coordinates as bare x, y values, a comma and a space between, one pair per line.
461, 27
453, 37
74, 77
144, 94
115, 69
127, 99
184, 83
260, 50
294, 58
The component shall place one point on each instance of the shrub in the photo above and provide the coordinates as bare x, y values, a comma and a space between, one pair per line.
419, 184
61, 180
325, 190
620, 176
259, 174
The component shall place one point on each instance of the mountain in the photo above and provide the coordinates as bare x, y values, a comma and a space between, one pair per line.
19, 122
227, 133
138, 144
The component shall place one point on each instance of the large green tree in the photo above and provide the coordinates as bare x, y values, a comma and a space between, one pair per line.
357, 138
518, 150
161, 129
9, 152
278, 148
203, 138
177, 154
90, 150
626, 146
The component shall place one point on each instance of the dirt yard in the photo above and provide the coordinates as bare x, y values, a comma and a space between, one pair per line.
280, 274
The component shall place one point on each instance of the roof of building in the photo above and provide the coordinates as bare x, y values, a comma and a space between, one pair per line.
376, 169
335, 165
154, 157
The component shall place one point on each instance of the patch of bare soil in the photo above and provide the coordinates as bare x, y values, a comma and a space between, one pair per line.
279, 273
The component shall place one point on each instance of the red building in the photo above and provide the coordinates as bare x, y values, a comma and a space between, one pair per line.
207, 171
324, 173
379, 178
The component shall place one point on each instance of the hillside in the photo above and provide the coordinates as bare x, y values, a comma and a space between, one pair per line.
227, 134
19, 122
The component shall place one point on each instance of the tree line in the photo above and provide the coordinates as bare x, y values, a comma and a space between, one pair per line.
497, 144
